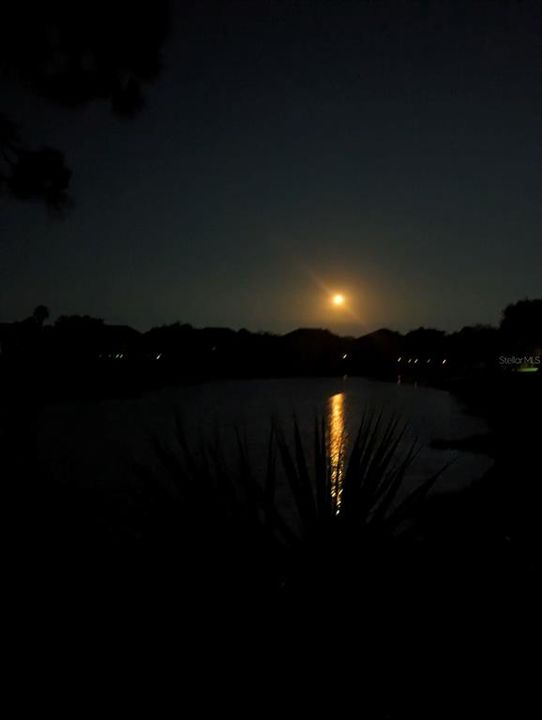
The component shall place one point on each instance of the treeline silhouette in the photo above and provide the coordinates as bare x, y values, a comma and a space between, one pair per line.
80, 349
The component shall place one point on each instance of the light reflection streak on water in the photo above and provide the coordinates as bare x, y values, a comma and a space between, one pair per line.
335, 446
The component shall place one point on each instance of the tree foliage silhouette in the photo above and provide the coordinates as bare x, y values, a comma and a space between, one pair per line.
521, 324
73, 54
40, 314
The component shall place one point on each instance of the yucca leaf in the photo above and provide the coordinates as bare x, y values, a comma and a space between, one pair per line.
392, 483
320, 470
302, 470
417, 496
304, 503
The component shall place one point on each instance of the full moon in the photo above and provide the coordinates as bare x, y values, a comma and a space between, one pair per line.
338, 299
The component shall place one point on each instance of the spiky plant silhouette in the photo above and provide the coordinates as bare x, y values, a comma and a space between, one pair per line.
297, 516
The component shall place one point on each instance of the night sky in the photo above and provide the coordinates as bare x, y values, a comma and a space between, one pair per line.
390, 151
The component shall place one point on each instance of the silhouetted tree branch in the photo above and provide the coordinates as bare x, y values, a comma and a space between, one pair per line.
72, 54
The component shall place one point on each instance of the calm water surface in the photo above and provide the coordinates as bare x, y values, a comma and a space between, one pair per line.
103, 441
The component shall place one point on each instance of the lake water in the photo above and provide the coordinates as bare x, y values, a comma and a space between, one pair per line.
102, 442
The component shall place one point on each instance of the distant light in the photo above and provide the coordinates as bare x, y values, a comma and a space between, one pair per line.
409, 360
159, 356
345, 355
429, 360
399, 359
338, 299
444, 361
415, 361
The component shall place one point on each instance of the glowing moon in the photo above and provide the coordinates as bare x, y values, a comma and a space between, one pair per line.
338, 299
